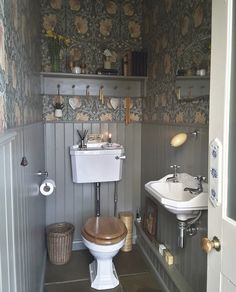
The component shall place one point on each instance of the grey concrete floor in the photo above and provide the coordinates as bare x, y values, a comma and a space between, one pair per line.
133, 272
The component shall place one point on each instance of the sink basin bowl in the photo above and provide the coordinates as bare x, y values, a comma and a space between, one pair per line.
171, 195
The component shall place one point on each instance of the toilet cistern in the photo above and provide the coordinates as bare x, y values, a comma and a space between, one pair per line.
100, 164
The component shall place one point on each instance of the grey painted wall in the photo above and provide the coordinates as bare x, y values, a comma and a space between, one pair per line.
76, 202
157, 156
23, 215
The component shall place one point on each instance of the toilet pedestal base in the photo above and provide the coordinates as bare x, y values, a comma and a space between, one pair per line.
103, 274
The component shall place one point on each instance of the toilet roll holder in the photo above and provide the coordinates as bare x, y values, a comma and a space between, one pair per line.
42, 173
45, 182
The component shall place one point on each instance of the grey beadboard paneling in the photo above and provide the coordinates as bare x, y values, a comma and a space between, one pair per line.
7, 241
75, 203
24, 211
157, 156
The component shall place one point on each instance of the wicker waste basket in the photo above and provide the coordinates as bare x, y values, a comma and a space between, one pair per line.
127, 219
59, 242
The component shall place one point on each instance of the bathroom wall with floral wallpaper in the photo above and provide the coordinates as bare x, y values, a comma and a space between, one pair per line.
86, 28
20, 102
84, 108
176, 35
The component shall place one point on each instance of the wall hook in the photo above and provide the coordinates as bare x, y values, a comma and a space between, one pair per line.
42, 173
58, 89
101, 94
195, 133
87, 90
24, 161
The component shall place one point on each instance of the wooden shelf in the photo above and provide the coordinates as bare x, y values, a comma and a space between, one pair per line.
92, 76
76, 84
195, 77
192, 88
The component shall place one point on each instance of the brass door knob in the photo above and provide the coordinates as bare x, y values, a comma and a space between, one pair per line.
208, 245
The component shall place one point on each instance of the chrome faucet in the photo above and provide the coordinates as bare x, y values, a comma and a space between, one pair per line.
174, 177
199, 189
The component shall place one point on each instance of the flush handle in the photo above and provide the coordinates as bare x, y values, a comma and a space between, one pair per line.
208, 245
123, 157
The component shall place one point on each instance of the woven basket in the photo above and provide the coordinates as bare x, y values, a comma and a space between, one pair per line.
127, 219
59, 242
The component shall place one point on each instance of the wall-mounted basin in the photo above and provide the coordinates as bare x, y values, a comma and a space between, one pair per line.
175, 199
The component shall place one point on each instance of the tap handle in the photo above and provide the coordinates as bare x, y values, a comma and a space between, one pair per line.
200, 178
175, 166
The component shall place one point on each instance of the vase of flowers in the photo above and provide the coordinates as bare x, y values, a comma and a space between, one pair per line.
58, 109
107, 61
55, 43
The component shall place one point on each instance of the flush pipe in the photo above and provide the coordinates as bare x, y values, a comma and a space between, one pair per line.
115, 199
97, 194
98, 199
187, 228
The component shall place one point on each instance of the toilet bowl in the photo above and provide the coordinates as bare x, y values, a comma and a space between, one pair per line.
103, 236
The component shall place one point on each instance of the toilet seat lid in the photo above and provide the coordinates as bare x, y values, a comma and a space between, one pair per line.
104, 230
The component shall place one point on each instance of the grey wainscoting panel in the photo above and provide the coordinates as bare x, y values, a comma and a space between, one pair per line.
7, 227
192, 157
75, 203
158, 155
24, 211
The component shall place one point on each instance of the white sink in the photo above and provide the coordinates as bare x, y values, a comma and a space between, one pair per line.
177, 201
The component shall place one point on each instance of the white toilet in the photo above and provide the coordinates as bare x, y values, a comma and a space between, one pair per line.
103, 236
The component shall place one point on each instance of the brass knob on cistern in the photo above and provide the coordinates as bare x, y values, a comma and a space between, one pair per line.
207, 244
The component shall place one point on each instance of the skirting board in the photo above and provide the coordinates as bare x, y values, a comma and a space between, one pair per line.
78, 245
164, 288
171, 277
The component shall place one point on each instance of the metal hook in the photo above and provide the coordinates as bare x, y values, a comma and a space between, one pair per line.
101, 94
195, 133
58, 89
42, 173
87, 90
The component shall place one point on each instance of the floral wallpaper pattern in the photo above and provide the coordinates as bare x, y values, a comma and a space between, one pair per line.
19, 63
176, 35
92, 26
84, 108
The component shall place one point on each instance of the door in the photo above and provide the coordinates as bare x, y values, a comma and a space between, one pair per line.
221, 272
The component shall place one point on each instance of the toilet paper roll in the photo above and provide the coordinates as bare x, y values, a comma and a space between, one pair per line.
47, 187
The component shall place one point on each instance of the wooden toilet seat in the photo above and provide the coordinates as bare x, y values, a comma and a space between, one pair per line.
104, 230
